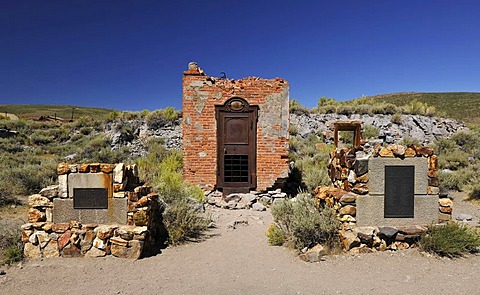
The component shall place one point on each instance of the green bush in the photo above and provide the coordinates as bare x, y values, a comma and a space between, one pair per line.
303, 225
297, 108
370, 131
24, 174
474, 194
453, 160
183, 221
162, 170
397, 118
311, 157
159, 118
451, 240
275, 235
11, 246
293, 129
408, 141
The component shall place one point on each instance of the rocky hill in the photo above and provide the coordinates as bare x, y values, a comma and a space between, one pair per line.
391, 130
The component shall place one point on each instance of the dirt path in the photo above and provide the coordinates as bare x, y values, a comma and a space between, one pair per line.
239, 261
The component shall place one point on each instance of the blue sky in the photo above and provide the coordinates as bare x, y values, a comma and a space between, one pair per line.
130, 55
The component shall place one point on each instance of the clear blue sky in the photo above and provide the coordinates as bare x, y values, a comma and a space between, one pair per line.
130, 55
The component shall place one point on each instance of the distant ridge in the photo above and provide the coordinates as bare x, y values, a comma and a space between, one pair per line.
34, 111
464, 106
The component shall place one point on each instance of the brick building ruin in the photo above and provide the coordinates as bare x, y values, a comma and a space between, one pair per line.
235, 132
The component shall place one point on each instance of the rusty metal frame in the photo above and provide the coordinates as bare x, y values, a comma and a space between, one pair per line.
355, 126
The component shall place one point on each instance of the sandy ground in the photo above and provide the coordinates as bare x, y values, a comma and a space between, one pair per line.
240, 261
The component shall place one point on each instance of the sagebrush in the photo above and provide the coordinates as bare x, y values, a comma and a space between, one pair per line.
300, 224
451, 240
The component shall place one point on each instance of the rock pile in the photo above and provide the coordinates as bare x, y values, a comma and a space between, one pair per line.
424, 129
257, 201
139, 132
372, 239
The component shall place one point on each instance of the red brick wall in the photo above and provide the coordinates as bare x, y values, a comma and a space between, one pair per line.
200, 95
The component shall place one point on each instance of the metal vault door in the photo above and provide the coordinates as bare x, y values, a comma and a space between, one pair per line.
236, 146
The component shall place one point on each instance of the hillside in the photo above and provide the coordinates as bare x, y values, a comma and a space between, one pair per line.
60, 111
463, 106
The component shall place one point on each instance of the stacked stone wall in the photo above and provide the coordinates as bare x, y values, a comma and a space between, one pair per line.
349, 171
94, 232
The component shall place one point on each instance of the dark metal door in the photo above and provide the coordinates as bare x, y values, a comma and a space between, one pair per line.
399, 191
236, 146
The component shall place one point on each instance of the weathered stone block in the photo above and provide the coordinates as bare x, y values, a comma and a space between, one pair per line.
116, 212
119, 173
50, 250
35, 215
370, 211
132, 251
376, 183
63, 168
38, 200
90, 180
32, 251
63, 186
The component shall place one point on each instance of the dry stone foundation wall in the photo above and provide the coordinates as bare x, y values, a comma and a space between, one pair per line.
361, 175
358, 194
130, 226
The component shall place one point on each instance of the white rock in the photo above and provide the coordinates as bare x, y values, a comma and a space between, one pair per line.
258, 207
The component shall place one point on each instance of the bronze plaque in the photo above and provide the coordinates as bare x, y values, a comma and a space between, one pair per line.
90, 198
399, 191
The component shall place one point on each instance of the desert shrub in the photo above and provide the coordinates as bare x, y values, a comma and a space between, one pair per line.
451, 240
302, 224
384, 108
408, 141
450, 181
344, 109
468, 141
113, 115
41, 137
83, 121
474, 193
293, 129
297, 108
311, 157
313, 176
86, 130
11, 246
397, 118
276, 236
453, 159
324, 101
370, 131
346, 137
25, 174
183, 221
159, 118
132, 115
416, 107
443, 146
162, 170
